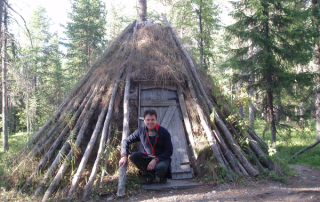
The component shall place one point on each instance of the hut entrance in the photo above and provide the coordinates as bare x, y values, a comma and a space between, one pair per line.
164, 100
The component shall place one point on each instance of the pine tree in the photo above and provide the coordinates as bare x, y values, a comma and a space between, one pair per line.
198, 22
37, 72
280, 41
116, 20
85, 32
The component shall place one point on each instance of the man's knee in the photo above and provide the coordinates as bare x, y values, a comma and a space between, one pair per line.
161, 169
135, 156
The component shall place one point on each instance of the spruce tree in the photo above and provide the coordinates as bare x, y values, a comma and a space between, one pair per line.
37, 72
85, 32
197, 22
279, 41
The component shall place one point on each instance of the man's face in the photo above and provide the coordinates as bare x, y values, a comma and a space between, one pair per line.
150, 121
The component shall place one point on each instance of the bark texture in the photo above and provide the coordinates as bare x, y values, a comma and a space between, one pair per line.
142, 11
5, 147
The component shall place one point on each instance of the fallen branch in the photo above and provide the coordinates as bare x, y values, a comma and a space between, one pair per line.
306, 148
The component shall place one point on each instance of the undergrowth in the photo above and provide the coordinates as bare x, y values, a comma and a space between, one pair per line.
291, 140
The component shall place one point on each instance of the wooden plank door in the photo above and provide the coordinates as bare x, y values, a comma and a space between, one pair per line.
164, 100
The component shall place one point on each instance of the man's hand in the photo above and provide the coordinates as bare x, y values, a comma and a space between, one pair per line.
152, 164
123, 161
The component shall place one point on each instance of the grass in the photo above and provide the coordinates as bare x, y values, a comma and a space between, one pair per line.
16, 142
292, 139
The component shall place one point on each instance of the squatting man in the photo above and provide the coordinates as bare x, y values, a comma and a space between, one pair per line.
157, 145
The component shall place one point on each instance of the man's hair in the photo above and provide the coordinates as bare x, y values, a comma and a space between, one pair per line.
150, 112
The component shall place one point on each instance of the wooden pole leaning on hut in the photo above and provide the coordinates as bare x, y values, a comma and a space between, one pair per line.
58, 140
75, 120
106, 124
90, 145
205, 125
106, 156
75, 150
125, 133
194, 158
235, 147
73, 106
74, 91
103, 137
89, 148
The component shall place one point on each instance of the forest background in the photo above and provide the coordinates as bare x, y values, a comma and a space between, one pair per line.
264, 56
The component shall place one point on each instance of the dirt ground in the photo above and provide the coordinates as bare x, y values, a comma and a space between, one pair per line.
303, 186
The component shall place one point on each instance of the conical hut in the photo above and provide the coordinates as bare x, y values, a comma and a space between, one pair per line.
145, 67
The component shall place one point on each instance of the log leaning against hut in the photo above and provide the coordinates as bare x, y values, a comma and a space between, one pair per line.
145, 67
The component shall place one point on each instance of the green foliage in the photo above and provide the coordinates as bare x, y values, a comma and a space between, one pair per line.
291, 141
16, 142
85, 32
36, 74
133, 182
266, 174
117, 20
198, 23
272, 40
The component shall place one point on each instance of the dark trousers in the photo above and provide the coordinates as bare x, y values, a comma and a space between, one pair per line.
142, 164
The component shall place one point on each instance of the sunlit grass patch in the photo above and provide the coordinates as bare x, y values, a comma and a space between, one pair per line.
291, 140
16, 142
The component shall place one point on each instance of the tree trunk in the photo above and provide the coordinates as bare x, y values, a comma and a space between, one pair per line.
279, 113
10, 125
1, 12
4, 86
271, 116
201, 34
316, 56
238, 91
142, 11
251, 106
302, 119
251, 87
27, 113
